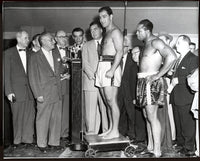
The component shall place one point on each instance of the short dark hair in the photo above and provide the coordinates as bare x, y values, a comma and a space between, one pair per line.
186, 38
107, 9
148, 25
192, 43
77, 29
35, 37
96, 23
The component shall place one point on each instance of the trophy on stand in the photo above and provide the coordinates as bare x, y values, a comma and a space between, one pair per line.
75, 51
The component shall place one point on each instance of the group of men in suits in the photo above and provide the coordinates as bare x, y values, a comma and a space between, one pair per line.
36, 89
42, 76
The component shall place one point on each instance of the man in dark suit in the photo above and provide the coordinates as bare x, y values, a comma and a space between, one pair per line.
17, 90
182, 97
126, 95
61, 49
44, 77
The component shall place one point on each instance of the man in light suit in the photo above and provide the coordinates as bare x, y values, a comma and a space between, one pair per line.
182, 97
44, 77
93, 102
17, 90
61, 49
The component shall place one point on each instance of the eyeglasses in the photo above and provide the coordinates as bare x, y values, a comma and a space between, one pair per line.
63, 37
136, 52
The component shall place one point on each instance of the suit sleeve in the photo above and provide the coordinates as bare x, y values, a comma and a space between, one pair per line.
34, 78
192, 65
86, 67
7, 74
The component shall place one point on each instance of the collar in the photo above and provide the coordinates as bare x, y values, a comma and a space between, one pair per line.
19, 48
45, 51
98, 41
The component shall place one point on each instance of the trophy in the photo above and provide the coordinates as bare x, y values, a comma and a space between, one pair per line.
65, 68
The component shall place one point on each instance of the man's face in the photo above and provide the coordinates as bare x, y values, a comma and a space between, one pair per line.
36, 42
78, 37
105, 18
192, 48
96, 32
180, 44
62, 39
23, 40
135, 54
141, 32
48, 42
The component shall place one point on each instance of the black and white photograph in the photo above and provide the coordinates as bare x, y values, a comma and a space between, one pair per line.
100, 79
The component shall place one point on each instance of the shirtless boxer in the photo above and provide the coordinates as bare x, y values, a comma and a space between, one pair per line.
108, 75
151, 87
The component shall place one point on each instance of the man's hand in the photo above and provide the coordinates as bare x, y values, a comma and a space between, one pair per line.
152, 78
134, 102
40, 99
92, 78
109, 74
65, 76
10, 97
174, 81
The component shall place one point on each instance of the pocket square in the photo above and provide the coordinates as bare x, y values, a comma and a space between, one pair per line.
183, 68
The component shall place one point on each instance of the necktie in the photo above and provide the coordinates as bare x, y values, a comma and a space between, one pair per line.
22, 49
122, 64
61, 48
99, 49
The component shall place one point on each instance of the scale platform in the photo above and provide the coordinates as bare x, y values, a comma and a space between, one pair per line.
96, 143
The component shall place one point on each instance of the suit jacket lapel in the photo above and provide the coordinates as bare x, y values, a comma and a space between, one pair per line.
94, 48
183, 60
19, 61
45, 61
55, 60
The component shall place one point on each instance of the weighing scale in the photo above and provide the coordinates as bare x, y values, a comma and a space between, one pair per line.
96, 144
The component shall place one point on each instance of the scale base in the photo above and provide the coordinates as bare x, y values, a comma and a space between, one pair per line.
78, 147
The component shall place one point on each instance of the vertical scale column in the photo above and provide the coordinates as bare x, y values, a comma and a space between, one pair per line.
76, 101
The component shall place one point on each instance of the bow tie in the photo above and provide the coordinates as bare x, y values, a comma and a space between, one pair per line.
22, 49
60, 48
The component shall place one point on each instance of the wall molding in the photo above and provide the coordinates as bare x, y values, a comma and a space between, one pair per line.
96, 8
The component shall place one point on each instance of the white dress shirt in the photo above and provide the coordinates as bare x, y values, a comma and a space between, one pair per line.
98, 41
49, 57
22, 55
124, 61
62, 52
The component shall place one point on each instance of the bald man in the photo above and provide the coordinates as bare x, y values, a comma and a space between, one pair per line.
44, 77
18, 92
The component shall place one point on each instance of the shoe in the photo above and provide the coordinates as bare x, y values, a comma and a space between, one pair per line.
67, 139
177, 147
187, 152
30, 145
43, 149
16, 145
57, 148
190, 154
138, 142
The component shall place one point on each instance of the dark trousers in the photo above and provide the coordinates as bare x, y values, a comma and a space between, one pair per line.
185, 126
140, 125
23, 116
127, 117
